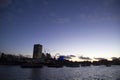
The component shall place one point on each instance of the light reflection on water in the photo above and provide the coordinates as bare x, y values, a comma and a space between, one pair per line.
65, 73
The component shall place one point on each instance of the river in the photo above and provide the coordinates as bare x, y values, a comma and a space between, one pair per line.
65, 73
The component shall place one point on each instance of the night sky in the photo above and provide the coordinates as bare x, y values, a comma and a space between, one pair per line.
78, 27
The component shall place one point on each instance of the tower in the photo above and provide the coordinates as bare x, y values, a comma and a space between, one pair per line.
37, 51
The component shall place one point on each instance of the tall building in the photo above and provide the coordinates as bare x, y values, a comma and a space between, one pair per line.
37, 51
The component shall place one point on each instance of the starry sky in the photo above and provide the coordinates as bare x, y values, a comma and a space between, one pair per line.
76, 27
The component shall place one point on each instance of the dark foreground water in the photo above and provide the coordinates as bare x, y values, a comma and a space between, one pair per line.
65, 73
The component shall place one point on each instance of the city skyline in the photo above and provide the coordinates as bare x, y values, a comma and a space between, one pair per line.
69, 27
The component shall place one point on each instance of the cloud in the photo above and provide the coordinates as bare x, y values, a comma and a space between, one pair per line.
99, 58
68, 56
84, 58
72, 55
113, 57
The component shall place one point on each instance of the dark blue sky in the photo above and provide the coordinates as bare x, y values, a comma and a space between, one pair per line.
79, 27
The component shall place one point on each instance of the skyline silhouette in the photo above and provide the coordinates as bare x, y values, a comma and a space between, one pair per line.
39, 54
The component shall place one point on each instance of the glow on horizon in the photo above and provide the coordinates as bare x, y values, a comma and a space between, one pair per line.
89, 50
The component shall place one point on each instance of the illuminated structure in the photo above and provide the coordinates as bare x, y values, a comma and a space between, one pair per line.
37, 51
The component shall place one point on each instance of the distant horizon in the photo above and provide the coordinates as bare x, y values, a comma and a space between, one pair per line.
75, 58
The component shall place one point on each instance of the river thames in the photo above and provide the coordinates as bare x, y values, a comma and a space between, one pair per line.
65, 73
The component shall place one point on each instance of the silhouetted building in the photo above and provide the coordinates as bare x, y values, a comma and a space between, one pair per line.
37, 51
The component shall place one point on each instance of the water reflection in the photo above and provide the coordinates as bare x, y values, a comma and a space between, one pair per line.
35, 74
65, 73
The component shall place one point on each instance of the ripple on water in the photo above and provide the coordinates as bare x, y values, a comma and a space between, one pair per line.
65, 73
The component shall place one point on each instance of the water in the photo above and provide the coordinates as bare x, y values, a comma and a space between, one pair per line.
65, 73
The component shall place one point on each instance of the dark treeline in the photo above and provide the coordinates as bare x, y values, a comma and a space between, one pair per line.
9, 59
114, 61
